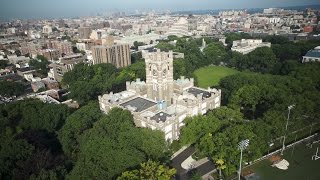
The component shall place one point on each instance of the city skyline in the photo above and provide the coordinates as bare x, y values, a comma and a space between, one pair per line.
43, 9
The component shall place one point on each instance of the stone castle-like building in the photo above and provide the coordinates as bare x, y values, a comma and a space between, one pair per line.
161, 102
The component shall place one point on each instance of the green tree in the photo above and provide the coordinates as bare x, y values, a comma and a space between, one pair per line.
262, 60
8, 88
75, 125
220, 166
246, 99
136, 44
3, 64
179, 68
149, 170
196, 127
114, 138
215, 52
87, 82
165, 46
40, 64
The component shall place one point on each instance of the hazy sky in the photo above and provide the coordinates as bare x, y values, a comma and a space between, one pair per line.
58, 8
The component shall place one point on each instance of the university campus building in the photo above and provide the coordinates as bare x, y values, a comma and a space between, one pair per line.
161, 102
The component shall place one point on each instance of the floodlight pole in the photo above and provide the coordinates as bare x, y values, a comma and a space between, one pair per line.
239, 173
284, 136
242, 146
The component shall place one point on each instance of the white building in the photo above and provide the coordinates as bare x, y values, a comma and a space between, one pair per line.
312, 55
146, 38
180, 28
47, 29
160, 102
82, 46
245, 46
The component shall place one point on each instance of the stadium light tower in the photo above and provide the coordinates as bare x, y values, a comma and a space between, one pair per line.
242, 145
284, 136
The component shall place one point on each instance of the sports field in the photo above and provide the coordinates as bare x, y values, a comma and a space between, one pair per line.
211, 75
300, 165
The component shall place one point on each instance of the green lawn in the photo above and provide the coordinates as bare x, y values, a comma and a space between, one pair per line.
211, 75
300, 165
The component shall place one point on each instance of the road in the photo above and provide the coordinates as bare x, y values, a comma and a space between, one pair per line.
182, 174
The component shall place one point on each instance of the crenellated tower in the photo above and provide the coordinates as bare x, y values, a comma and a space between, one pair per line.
159, 76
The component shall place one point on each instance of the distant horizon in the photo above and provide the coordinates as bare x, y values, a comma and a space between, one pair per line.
37, 10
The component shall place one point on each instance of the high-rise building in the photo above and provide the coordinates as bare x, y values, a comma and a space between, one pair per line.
118, 55
84, 32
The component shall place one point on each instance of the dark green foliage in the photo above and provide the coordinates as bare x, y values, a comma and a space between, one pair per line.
215, 53
135, 57
28, 143
33, 114
276, 39
40, 64
230, 37
293, 50
165, 46
3, 64
149, 170
136, 44
260, 60
114, 145
75, 126
87, 82
179, 68
256, 110
8, 88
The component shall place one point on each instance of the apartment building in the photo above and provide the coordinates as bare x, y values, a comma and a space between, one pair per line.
118, 55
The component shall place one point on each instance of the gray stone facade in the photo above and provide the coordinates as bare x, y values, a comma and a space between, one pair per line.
161, 102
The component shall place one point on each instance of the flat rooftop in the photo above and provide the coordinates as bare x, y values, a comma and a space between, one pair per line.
139, 104
161, 116
196, 91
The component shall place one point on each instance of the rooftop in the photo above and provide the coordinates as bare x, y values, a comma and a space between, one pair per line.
26, 69
161, 116
138, 104
313, 53
196, 91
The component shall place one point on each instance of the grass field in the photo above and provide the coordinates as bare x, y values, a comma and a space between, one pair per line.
211, 75
300, 165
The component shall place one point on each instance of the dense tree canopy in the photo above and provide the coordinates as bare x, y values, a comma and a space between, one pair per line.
88, 82
148, 171
256, 110
75, 125
113, 145
8, 88
40, 64
215, 52
89, 144
28, 143
3, 64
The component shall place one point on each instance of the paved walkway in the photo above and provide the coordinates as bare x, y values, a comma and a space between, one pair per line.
203, 166
177, 161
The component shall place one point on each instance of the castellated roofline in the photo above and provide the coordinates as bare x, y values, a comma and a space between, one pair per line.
183, 80
159, 56
169, 120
